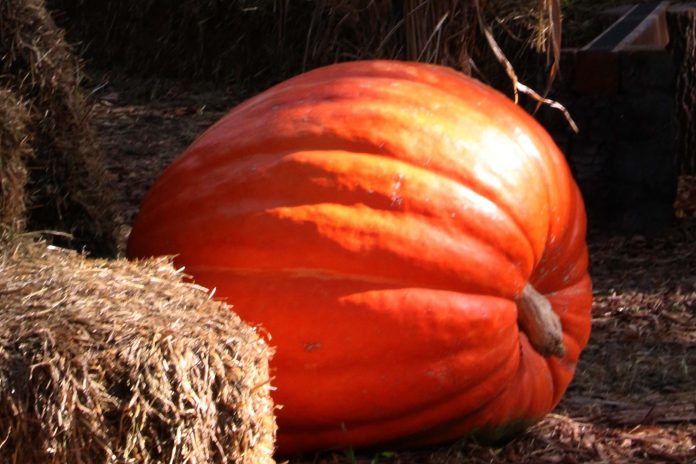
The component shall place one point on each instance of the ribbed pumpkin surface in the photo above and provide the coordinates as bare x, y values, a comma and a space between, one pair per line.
379, 219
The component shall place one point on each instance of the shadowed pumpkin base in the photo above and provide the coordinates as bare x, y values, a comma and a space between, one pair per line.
502, 434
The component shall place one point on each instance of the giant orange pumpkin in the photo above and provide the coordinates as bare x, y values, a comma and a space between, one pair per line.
387, 224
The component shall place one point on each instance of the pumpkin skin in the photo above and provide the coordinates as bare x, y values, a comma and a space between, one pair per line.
379, 219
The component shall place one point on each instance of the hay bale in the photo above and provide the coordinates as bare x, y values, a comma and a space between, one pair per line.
14, 154
69, 184
112, 361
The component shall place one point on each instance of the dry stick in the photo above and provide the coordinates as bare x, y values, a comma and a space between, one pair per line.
554, 12
516, 84
436, 32
410, 26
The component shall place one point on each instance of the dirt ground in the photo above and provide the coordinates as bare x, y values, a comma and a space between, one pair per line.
634, 396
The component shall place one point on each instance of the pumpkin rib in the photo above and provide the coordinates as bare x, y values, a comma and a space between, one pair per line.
367, 192
570, 341
287, 362
488, 416
576, 323
453, 334
299, 273
354, 171
351, 370
380, 156
246, 257
520, 411
321, 274
547, 276
446, 430
340, 239
454, 83
316, 134
434, 410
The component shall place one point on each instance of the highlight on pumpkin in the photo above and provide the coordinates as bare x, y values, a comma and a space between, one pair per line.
412, 242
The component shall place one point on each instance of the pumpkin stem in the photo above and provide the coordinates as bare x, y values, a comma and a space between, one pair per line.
540, 323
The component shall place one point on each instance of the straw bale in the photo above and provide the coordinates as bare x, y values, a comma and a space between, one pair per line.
69, 184
14, 153
113, 361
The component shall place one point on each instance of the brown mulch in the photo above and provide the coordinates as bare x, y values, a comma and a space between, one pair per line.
634, 396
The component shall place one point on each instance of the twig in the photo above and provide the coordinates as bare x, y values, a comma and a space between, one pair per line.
509, 69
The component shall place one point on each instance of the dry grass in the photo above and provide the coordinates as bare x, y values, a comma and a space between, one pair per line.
68, 186
112, 361
253, 44
15, 151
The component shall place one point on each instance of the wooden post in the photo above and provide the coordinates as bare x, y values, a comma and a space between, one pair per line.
681, 22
